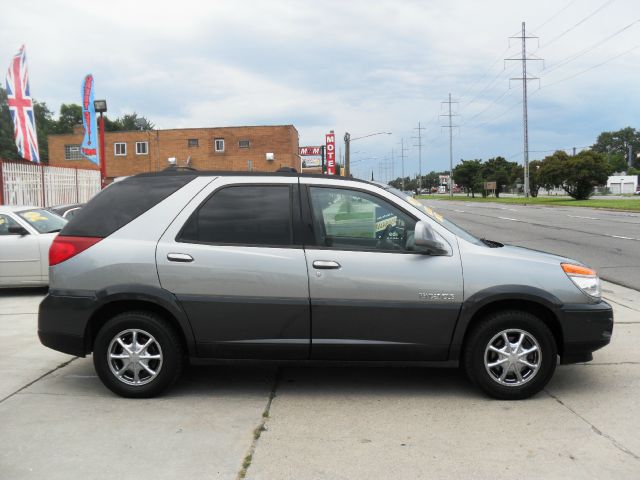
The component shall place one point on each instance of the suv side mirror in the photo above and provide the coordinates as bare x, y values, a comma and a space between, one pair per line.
18, 230
425, 237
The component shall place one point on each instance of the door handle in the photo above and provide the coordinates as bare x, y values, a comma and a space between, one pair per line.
325, 264
179, 257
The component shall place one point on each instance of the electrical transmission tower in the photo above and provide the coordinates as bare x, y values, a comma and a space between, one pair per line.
419, 145
450, 126
525, 121
402, 150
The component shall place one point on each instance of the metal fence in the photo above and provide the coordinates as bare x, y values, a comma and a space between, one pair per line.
44, 186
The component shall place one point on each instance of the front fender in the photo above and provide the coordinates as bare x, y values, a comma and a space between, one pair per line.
481, 299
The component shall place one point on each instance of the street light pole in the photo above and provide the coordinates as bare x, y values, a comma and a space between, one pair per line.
347, 154
100, 107
347, 147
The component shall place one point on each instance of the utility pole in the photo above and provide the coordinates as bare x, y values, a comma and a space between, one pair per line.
419, 145
402, 150
525, 120
347, 154
451, 126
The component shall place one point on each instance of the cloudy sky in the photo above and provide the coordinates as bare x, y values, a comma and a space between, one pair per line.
358, 66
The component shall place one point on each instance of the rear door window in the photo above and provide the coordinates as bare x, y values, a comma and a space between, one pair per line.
243, 215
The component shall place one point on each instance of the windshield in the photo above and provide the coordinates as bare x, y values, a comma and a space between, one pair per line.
43, 221
432, 214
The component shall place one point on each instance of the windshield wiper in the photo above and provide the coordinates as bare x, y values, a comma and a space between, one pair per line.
491, 243
54, 231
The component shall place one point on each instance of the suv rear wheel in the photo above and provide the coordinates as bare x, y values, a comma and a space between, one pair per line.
510, 355
138, 354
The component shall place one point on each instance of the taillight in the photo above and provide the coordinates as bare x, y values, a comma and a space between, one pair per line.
64, 248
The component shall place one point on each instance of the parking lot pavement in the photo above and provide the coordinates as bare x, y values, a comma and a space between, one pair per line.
323, 422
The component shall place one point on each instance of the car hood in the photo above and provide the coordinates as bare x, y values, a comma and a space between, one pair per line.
536, 255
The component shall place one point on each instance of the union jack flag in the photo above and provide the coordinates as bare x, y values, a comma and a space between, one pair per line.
21, 108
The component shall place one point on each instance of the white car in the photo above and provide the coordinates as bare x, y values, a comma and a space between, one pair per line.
26, 234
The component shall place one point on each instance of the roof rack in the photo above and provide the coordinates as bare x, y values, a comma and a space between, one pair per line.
226, 173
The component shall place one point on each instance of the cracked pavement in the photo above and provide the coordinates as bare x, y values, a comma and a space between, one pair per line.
294, 422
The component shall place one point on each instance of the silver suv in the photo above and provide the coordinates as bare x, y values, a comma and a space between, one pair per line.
162, 269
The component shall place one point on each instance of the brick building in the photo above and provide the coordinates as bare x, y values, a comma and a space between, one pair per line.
261, 148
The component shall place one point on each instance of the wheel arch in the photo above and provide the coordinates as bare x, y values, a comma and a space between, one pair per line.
130, 298
540, 303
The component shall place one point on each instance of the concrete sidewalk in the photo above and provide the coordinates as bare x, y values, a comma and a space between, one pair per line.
58, 421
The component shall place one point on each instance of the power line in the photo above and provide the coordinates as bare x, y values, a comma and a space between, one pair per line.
485, 74
595, 12
487, 87
575, 56
591, 68
554, 15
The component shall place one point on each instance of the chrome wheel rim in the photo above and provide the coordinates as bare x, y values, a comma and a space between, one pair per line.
134, 357
512, 357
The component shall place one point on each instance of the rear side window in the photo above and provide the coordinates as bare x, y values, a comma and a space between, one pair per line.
242, 215
122, 202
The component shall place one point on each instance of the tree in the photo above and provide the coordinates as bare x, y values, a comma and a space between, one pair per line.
501, 171
617, 162
577, 175
45, 125
534, 176
8, 149
612, 143
70, 116
128, 122
468, 174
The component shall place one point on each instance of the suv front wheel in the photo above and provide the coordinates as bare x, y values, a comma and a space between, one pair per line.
511, 355
137, 354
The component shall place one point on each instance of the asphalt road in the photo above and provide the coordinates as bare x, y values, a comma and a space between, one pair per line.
605, 240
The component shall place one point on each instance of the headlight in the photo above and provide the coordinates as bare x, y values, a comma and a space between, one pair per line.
584, 278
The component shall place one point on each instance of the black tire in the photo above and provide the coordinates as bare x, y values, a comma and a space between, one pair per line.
164, 355
520, 381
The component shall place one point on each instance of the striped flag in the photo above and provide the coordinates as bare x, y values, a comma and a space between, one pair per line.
21, 108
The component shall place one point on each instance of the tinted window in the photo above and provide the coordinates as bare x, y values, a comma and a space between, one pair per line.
349, 219
122, 202
244, 215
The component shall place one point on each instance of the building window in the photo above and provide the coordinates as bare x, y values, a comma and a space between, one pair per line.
244, 144
120, 149
192, 142
218, 144
72, 152
142, 148
250, 165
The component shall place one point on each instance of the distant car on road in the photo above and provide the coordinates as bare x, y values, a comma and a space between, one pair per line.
26, 234
66, 211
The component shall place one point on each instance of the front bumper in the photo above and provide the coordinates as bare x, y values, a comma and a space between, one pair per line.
62, 323
585, 329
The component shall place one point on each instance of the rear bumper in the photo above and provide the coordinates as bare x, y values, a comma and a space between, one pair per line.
62, 323
585, 329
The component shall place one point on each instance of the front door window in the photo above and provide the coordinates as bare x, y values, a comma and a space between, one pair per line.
350, 219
